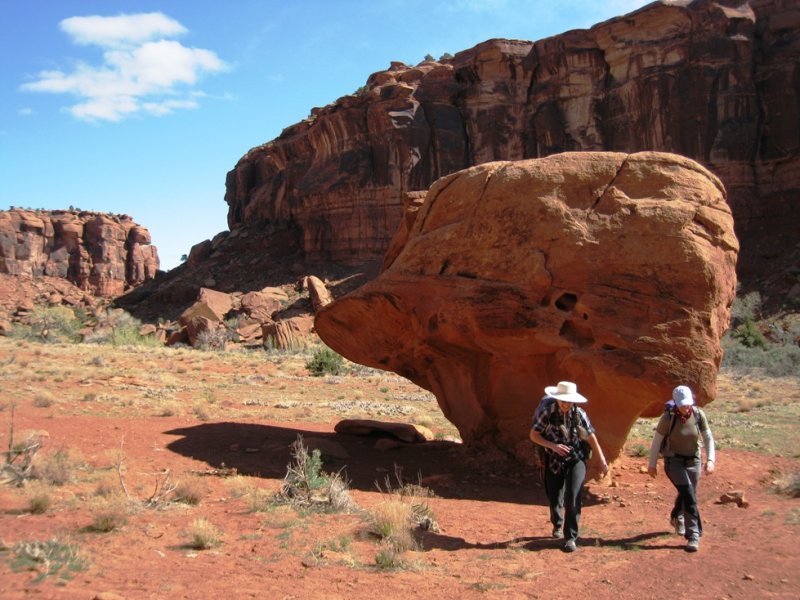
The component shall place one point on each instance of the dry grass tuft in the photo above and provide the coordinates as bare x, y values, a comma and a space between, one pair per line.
391, 521
203, 535
109, 513
55, 468
189, 491
788, 484
39, 499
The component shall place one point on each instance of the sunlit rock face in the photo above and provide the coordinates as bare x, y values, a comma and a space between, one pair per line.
716, 81
615, 271
101, 253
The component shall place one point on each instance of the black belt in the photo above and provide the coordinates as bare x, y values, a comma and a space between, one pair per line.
684, 458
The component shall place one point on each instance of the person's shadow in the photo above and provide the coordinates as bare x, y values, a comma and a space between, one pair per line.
431, 540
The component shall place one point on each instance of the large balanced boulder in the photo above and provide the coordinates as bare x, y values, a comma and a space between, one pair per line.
616, 271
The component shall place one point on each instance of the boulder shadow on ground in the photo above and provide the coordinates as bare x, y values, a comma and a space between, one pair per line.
449, 469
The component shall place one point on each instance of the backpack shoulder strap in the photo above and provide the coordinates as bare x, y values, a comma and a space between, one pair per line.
697, 416
665, 442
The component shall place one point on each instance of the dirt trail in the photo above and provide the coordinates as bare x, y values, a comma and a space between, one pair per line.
493, 540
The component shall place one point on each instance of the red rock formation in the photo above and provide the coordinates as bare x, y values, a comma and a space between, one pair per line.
100, 253
714, 81
615, 271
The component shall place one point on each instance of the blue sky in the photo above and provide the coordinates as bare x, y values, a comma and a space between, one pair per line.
141, 107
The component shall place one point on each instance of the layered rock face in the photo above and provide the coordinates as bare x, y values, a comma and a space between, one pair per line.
100, 253
714, 81
615, 271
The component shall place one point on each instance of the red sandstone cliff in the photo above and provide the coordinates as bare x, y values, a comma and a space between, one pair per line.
714, 81
101, 253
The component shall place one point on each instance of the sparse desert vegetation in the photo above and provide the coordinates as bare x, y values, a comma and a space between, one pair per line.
147, 461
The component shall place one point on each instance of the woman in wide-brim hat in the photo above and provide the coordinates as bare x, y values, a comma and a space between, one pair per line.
563, 429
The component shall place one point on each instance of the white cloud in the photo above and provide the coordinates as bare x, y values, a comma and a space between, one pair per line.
140, 72
25, 111
120, 30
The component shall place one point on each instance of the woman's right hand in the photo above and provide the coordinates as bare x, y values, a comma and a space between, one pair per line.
652, 471
560, 449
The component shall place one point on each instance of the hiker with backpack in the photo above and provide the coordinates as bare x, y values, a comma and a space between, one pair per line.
563, 429
681, 432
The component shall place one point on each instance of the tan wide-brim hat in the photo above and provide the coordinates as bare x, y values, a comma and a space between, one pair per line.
566, 391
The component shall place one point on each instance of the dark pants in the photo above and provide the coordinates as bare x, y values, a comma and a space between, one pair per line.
564, 490
684, 473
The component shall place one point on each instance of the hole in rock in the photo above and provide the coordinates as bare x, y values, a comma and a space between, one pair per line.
566, 302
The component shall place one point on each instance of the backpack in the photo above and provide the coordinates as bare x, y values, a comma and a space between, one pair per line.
669, 408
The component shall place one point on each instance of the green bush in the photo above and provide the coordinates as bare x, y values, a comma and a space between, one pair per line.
50, 324
776, 360
48, 558
307, 487
118, 328
749, 336
325, 361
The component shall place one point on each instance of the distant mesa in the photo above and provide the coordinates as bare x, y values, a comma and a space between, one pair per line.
712, 81
103, 254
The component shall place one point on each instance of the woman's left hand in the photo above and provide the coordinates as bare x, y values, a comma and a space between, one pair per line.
709, 466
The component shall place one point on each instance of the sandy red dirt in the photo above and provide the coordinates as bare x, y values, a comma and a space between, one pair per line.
493, 540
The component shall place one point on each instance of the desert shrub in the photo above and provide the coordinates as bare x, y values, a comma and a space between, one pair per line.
638, 450
744, 307
788, 484
307, 486
388, 558
259, 500
324, 360
18, 466
238, 486
51, 324
397, 517
48, 558
776, 361
106, 486
415, 495
213, 339
38, 499
202, 535
43, 400
201, 413
391, 521
108, 513
749, 336
119, 328
55, 468
189, 491
107, 521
